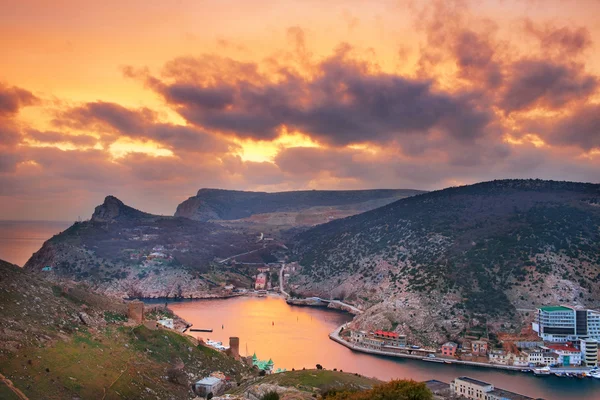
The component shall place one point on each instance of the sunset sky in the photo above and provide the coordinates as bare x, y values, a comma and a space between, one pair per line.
151, 100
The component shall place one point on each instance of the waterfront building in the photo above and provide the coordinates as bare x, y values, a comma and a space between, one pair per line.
373, 343
499, 357
540, 356
589, 352
562, 324
469, 388
567, 354
266, 366
449, 349
261, 281
479, 347
391, 339
357, 336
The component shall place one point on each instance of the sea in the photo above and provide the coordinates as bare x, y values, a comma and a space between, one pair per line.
20, 239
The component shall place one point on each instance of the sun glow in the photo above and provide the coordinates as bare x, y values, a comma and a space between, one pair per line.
123, 146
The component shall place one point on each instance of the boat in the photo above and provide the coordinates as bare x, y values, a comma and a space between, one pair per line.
595, 374
541, 371
560, 374
447, 362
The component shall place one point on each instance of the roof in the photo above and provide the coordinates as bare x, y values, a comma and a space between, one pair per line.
209, 380
554, 308
473, 381
387, 334
449, 344
437, 386
563, 347
505, 394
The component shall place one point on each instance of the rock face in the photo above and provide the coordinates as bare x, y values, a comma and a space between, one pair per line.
428, 265
113, 208
217, 204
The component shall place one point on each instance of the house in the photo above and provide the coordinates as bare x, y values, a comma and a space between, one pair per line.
479, 347
229, 287
208, 387
499, 357
567, 354
357, 336
261, 281
449, 349
473, 389
373, 343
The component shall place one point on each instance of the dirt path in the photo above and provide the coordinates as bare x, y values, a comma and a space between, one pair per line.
12, 387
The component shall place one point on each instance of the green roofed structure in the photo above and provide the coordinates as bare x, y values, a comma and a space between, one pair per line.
561, 324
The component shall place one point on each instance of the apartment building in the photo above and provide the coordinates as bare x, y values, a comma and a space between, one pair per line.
562, 324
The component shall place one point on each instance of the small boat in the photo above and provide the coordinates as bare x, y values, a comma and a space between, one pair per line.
595, 375
541, 371
560, 374
447, 362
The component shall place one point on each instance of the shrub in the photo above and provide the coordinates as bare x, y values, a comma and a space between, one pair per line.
270, 396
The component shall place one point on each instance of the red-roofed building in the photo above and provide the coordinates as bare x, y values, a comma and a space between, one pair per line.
390, 338
567, 353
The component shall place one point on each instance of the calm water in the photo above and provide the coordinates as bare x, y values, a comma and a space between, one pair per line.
20, 239
296, 337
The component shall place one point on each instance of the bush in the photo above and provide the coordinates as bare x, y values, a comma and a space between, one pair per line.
270, 396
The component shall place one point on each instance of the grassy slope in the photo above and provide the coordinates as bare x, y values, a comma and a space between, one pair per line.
48, 353
311, 379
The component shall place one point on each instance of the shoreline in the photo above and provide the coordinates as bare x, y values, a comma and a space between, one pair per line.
336, 338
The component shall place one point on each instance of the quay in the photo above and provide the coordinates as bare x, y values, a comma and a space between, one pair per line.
335, 336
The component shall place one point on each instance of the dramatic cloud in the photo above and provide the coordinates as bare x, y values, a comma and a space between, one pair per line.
563, 40
546, 84
13, 98
341, 104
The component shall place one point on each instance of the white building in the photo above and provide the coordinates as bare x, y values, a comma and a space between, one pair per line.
565, 324
540, 356
473, 389
589, 352
208, 387
567, 354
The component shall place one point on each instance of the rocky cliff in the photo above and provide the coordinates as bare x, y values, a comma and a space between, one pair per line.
125, 252
217, 204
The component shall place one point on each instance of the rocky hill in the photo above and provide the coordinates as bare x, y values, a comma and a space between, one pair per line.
66, 342
435, 264
218, 204
128, 253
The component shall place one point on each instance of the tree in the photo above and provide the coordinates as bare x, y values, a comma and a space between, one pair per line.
270, 396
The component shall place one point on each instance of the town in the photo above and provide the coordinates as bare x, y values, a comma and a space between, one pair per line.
566, 345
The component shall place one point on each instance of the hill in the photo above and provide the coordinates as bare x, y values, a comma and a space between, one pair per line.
435, 264
218, 204
59, 342
126, 252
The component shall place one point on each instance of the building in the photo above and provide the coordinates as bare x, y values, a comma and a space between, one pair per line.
266, 366
261, 281
540, 356
567, 354
474, 389
479, 347
566, 324
208, 387
589, 352
167, 323
391, 339
499, 357
449, 349
357, 336
373, 343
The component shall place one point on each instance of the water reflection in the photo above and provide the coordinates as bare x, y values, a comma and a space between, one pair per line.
296, 337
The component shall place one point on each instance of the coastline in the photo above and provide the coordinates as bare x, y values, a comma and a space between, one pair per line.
336, 338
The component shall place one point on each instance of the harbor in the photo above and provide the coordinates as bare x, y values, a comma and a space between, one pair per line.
298, 337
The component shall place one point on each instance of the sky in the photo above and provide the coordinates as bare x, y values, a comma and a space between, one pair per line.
150, 100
